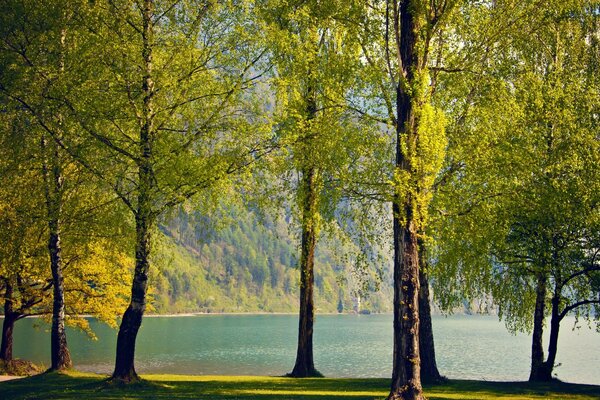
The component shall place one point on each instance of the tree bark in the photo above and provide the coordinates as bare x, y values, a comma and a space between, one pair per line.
6, 349
429, 369
144, 217
548, 366
537, 348
132, 319
60, 358
304, 366
406, 375
10, 317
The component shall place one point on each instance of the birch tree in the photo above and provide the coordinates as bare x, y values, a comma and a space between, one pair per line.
315, 61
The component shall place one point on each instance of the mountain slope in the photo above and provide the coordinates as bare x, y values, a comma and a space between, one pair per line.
249, 265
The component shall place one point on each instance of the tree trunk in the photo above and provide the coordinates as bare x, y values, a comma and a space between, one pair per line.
144, 215
60, 358
537, 348
429, 369
6, 348
548, 366
304, 366
406, 379
132, 319
406, 375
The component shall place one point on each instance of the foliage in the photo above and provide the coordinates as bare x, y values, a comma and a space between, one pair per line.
316, 75
93, 247
524, 200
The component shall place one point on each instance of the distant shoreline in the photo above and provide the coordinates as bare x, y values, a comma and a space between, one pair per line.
238, 313
200, 314
197, 314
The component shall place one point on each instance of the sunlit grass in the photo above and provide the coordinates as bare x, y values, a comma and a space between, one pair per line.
80, 385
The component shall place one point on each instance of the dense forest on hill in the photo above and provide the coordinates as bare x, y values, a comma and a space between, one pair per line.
250, 265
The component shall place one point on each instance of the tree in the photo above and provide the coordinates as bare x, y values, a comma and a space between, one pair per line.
429, 369
94, 261
401, 55
37, 57
526, 230
315, 59
48, 30
169, 113
554, 237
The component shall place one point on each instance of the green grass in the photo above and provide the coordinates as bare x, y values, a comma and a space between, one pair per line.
82, 386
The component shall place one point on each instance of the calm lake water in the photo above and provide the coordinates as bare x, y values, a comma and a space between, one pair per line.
467, 347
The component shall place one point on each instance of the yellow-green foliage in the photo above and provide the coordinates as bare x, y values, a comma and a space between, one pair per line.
424, 151
431, 148
523, 201
98, 285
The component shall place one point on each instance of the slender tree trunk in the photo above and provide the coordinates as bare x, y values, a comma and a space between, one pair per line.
60, 358
10, 317
406, 375
304, 366
429, 369
537, 348
548, 366
144, 216
132, 319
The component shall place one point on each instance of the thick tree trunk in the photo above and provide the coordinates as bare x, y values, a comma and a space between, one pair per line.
537, 348
144, 215
429, 369
6, 349
304, 366
10, 317
406, 375
60, 358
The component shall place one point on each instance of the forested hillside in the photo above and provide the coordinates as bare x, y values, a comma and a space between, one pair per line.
249, 264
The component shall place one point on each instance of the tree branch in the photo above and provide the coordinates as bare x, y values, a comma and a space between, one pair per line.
575, 305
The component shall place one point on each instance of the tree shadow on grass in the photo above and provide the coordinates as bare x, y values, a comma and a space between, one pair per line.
74, 385
479, 390
66, 386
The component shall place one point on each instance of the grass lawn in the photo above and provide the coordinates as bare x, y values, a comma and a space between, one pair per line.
83, 386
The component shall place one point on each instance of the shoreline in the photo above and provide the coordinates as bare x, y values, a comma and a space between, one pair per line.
240, 313
237, 313
198, 314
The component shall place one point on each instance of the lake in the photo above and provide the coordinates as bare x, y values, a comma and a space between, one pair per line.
467, 347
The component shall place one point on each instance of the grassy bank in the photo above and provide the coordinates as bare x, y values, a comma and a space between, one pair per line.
76, 385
